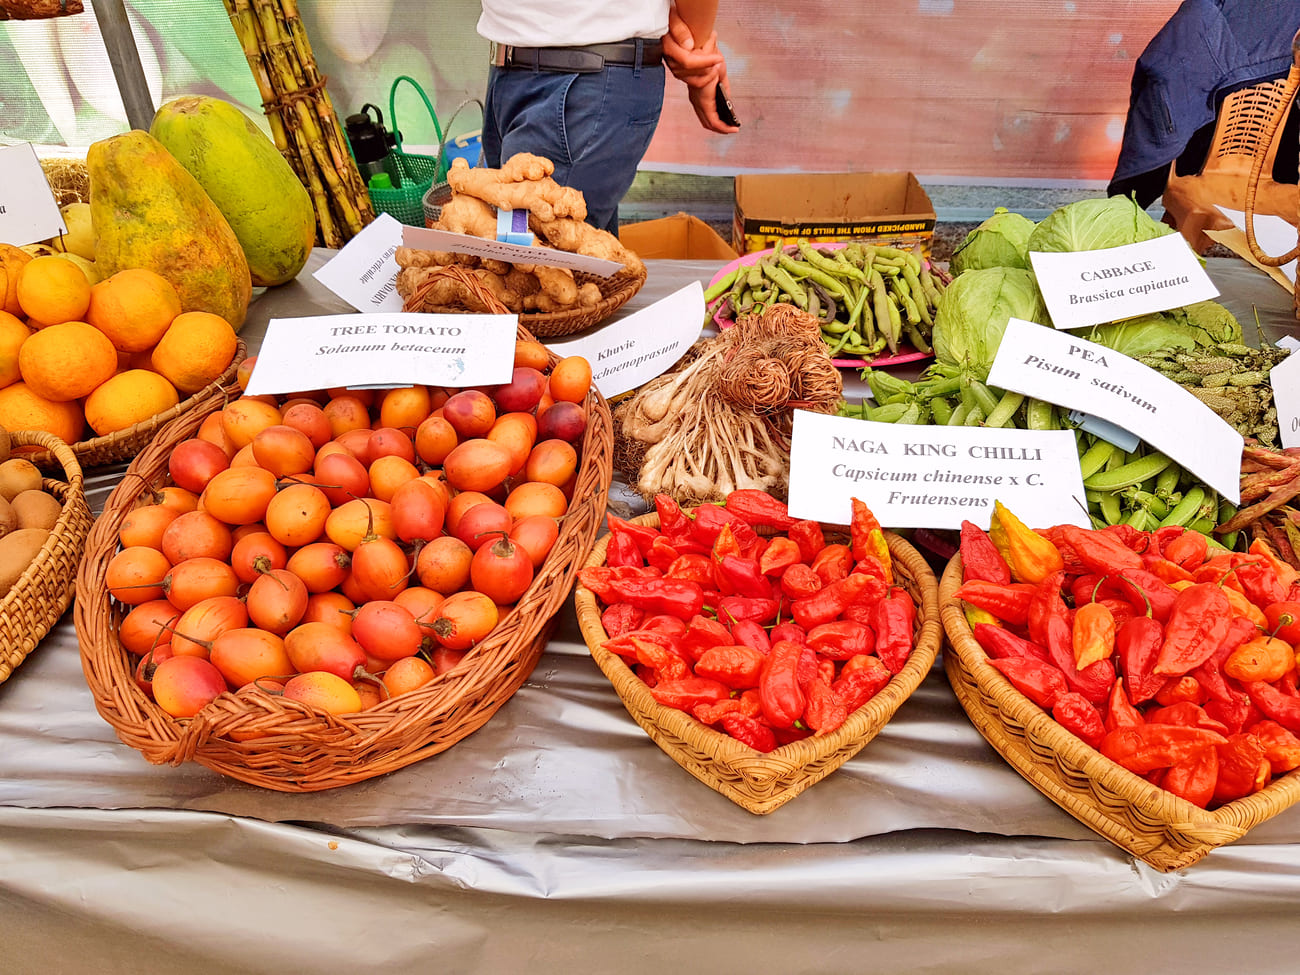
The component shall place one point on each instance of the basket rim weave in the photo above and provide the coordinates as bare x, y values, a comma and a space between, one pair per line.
757, 782
44, 590
617, 291
122, 445
290, 747
1161, 829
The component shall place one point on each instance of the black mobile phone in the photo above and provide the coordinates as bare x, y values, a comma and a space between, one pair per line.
726, 110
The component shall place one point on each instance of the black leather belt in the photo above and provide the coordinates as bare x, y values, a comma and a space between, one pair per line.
578, 60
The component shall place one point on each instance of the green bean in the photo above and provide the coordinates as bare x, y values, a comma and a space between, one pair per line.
783, 280
845, 338
918, 294
724, 283
812, 273
828, 264
1004, 410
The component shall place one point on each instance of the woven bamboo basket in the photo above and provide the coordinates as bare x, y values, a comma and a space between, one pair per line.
121, 445
268, 741
42, 593
757, 782
1155, 826
616, 292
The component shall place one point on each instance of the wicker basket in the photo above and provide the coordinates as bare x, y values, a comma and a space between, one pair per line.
122, 445
758, 782
42, 593
1155, 826
275, 743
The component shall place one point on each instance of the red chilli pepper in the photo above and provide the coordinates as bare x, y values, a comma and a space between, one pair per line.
867, 538
810, 538
829, 602
751, 634
781, 554
673, 597
702, 632
1274, 704
1198, 622
825, 710
749, 731
1009, 602
687, 693
662, 554
1149, 747
789, 630
743, 577
1099, 551
1001, 643
1120, 713
980, 559
1244, 768
733, 609
710, 520
642, 535
800, 581
692, 567
620, 618
759, 508
833, 562
1077, 715
780, 696
1041, 682
841, 639
1281, 747
864, 681
1193, 778
892, 620
672, 520
621, 550
737, 666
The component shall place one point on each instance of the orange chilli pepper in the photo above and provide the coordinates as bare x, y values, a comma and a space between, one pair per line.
1093, 634
1264, 658
1032, 557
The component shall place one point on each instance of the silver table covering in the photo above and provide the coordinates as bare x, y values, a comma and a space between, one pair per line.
559, 837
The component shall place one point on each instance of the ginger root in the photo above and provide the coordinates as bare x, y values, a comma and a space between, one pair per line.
543, 197
455, 288
468, 215
582, 238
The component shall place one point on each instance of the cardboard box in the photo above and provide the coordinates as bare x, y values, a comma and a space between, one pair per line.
884, 208
679, 237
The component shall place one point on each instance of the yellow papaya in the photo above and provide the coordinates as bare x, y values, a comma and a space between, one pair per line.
147, 211
248, 179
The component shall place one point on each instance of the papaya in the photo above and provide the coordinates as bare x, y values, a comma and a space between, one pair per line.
146, 210
248, 179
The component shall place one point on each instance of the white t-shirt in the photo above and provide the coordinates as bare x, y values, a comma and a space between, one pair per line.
571, 23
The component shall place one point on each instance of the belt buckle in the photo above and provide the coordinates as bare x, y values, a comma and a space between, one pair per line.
499, 54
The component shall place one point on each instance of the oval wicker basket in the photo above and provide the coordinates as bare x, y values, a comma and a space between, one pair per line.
268, 741
42, 593
616, 292
1156, 826
121, 445
763, 782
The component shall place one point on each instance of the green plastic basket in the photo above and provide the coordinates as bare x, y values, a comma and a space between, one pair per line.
417, 172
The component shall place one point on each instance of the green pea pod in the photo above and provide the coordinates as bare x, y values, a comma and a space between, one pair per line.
958, 416
1004, 410
1041, 415
941, 409
1132, 473
888, 413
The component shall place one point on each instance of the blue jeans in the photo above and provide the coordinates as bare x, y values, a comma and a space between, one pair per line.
595, 127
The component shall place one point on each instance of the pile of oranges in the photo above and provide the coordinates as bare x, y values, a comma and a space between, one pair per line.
343, 547
105, 356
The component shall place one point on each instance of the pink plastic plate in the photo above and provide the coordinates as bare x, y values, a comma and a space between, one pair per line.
905, 352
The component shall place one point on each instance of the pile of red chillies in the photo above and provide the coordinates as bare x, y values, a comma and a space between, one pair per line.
1174, 658
768, 636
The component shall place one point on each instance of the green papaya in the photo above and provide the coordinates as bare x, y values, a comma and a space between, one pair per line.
248, 179
147, 211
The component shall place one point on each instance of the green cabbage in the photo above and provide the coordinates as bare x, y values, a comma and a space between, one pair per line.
1211, 321
973, 313
1095, 224
1000, 241
1143, 335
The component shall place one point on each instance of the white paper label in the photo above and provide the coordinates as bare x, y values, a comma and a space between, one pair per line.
442, 240
914, 476
383, 350
633, 350
1285, 380
1090, 287
1273, 234
28, 210
364, 273
1064, 369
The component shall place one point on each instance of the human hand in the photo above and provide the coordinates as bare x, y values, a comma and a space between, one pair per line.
698, 65
704, 102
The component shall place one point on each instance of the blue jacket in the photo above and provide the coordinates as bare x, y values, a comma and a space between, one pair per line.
1208, 49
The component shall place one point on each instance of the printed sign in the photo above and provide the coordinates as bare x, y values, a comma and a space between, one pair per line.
364, 273
443, 240
914, 476
630, 352
1064, 369
1285, 380
383, 350
1091, 287
28, 210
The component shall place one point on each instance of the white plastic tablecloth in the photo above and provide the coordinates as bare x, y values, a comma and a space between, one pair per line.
559, 838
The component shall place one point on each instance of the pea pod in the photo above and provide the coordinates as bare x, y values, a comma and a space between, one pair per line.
1132, 473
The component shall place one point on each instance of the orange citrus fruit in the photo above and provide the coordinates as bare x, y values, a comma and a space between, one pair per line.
66, 361
133, 308
13, 333
12, 261
128, 398
22, 409
196, 349
51, 289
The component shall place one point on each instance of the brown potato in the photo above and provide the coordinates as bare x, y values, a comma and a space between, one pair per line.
17, 550
18, 475
36, 509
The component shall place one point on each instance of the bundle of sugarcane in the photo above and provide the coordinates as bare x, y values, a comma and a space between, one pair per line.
38, 9
301, 115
